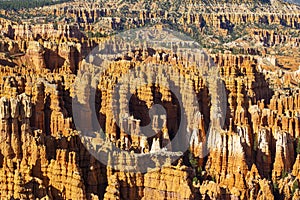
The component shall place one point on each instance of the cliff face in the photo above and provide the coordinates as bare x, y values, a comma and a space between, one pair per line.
42, 156
254, 154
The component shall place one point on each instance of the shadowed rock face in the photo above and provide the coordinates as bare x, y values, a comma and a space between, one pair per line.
254, 155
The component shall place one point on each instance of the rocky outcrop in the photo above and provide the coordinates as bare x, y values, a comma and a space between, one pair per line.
253, 154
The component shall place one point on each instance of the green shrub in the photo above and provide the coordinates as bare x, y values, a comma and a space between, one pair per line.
295, 186
284, 174
298, 143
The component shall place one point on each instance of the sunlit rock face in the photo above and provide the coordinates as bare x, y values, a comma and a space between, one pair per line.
253, 154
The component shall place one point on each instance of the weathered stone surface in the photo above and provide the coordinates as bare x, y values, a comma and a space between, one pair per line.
254, 155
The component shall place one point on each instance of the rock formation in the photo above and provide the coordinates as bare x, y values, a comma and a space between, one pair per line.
252, 154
